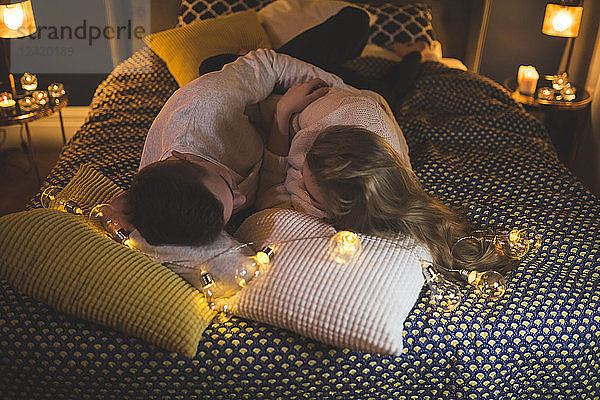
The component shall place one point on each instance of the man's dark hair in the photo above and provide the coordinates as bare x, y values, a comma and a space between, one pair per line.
170, 205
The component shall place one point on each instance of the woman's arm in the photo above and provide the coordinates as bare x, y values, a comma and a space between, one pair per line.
293, 101
271, 192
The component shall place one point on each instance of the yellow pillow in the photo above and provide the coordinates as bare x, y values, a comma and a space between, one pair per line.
66, 262
184, 48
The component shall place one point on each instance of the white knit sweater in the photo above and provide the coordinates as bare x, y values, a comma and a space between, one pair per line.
281, 181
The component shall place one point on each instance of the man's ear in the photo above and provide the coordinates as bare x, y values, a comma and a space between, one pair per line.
120, 211
238, 199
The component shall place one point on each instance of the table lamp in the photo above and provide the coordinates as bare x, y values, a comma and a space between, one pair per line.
16, 20
563, 20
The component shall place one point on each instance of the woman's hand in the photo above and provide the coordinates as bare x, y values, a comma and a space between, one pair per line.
296, 99
293, 101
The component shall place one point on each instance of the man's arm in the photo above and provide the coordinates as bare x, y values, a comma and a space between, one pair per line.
215, 103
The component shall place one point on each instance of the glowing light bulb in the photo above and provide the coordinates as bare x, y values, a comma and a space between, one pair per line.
50, 199
103, 212
489, 284
213, 293
517, 243
562, 21
444, 294
250, 267
13, 16
343, 246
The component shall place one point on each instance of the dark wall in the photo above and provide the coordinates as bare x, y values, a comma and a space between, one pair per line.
81, 87
514, 37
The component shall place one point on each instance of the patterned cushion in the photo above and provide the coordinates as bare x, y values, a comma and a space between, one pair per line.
400, 23
192, 10
70, 264
184, 48
307, 292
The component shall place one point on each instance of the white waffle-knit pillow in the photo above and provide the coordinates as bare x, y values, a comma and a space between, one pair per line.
361, 305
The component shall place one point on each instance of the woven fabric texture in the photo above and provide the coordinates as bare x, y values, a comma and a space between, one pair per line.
472, 147
393, 22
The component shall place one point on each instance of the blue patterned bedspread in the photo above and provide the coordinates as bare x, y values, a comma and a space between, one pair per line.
472, 147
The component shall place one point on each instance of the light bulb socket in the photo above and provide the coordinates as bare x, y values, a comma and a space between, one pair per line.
121, 235
269, 251
468, 276
72, 207
429, 272
206, 279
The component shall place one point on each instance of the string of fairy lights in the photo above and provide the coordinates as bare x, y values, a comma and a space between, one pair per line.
343, 247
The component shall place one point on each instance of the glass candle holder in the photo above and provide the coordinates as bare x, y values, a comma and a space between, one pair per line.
558, 81
56, 90
40, 97
527, 78
5, 97
27, 104
29, 82
7, 103
546, 93
568, 92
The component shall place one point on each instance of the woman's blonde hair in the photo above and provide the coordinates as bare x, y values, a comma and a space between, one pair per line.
367, 188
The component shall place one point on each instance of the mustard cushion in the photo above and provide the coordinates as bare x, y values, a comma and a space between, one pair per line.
68, 263
184, 48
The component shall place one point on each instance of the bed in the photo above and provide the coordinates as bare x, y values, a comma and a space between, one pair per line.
472, 147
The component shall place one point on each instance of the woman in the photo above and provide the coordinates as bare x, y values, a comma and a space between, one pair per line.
341, 156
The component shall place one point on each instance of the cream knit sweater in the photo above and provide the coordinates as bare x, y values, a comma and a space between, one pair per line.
282, 184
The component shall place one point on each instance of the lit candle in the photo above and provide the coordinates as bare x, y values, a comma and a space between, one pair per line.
26, 103
40, 97
7, 103
56, 90
559, 81
546, 93
29, 81
568, 92
527, 79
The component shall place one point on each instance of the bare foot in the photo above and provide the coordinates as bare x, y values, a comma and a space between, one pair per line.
403, 49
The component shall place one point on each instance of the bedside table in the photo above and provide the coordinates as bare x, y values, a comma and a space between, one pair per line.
18, 116
564, 120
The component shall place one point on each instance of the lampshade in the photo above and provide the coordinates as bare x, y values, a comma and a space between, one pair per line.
562, 20
16, 19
